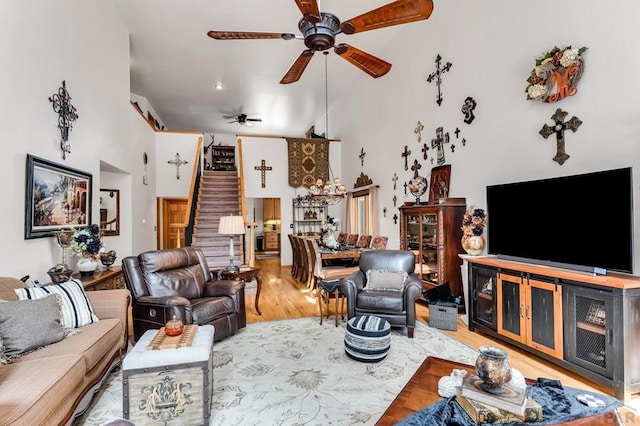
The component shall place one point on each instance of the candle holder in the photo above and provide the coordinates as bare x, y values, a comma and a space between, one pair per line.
63, 238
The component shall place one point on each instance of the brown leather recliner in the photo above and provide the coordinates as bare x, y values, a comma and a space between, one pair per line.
164, 283
396, 306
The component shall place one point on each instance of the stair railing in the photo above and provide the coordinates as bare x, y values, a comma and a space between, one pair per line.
194, 189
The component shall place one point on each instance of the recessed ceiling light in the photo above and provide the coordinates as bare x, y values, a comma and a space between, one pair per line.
219, 86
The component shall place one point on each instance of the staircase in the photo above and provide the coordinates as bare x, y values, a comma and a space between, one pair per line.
218, 196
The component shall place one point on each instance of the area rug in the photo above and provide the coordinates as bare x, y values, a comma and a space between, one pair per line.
295, 372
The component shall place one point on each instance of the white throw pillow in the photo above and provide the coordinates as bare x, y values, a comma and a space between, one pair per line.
76, 309
382, 279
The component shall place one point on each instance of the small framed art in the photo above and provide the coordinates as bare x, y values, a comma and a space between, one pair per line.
439, 185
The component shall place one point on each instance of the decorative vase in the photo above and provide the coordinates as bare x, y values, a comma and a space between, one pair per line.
492, 366
331, 241
473, 245
87, 266
173, 327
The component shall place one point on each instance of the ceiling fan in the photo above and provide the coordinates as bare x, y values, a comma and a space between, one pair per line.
319, 31
242, 119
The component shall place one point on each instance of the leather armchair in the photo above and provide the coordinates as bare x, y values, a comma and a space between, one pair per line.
164, 283
396, 306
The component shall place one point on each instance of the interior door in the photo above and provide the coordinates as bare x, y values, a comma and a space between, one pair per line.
174, 212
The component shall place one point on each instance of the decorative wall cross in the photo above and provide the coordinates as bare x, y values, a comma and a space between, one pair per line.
395, 219
177, 162
418, 131
406, 153
395, 199
67, 114
394, 179
416, 166
425, 148
558, 128
438, 143
263, 172
361, 156
406, 184
437, 75
467, 109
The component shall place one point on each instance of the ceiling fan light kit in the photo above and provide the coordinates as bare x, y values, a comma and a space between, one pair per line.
319, 31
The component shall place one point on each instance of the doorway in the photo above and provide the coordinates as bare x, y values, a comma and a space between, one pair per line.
173, 213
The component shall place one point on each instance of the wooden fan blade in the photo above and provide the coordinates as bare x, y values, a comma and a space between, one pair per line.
298, 67
395, 13
368, 63
247, 35
309, 9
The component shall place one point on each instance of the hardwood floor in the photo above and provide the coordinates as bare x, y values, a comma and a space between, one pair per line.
283, 298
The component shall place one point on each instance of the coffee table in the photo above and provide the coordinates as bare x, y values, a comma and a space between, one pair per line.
422, 391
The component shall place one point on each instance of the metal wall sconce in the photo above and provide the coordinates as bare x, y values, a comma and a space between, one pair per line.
67, 114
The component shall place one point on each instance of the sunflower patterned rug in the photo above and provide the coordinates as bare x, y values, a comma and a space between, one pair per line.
295, 372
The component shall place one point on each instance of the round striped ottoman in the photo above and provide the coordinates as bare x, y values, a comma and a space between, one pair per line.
368, 338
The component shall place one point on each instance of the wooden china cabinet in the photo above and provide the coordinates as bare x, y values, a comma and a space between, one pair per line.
433, 233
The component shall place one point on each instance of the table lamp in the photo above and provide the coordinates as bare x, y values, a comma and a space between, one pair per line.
231, 225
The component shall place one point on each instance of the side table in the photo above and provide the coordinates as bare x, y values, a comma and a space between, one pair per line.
106, 279
245, 275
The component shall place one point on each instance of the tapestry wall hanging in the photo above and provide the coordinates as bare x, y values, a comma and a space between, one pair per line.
308, 161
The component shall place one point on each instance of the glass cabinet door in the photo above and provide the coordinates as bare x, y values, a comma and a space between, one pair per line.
429, 246
483, 297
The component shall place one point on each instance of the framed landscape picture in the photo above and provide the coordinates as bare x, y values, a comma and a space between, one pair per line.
57, 197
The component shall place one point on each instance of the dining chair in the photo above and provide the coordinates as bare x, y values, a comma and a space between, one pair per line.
363, 241
379, 242
352, 239
342, 237
326, 281
294, 256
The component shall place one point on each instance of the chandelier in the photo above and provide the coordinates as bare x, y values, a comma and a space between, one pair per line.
331, 191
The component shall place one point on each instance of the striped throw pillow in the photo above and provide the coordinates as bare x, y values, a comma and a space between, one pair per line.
76, 309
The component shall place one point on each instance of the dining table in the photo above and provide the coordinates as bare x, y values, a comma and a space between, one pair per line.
347, 253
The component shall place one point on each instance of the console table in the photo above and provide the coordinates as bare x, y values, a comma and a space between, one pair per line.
107, 279
589, 324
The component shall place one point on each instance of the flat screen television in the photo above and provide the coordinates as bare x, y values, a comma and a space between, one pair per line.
580, 222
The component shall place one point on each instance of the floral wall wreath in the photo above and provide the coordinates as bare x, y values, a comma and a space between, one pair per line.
556, 74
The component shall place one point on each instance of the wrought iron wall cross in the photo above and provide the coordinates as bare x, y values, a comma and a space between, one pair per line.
558, 128
437, 75
177, 161
67, 114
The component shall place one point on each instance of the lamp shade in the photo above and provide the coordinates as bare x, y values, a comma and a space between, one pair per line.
231, 225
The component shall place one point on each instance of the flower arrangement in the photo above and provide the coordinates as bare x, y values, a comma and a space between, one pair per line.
548, 66
331, 224
86, 241
473, 222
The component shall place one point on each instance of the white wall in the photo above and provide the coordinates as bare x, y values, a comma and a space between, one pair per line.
492, 47
168, 144
43, 43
